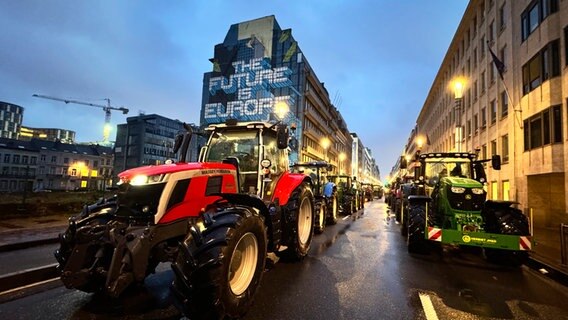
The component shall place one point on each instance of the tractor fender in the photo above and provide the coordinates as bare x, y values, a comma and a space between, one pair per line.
286, 185
246, 200
416, 199
328, 189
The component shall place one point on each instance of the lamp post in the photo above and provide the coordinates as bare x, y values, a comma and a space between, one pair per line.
458, 86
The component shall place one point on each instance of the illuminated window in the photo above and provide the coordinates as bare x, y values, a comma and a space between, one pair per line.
494, 190
506, 187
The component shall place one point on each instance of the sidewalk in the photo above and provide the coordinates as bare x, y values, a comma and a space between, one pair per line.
29, 229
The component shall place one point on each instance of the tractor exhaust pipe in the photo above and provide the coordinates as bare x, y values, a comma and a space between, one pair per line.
182, 142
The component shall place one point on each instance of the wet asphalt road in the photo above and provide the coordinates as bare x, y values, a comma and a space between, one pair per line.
357, 269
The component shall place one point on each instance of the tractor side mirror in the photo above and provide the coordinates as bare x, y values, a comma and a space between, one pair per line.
282, 136
496, 162
403, 162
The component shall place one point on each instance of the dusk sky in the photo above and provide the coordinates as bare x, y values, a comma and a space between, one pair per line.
379, 57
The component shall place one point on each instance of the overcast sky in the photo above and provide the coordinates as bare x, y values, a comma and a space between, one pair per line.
379, 57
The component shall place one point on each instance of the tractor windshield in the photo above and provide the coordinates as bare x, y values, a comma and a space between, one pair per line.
242, 145
437, 168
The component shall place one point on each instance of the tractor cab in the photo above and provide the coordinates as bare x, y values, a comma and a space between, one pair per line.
317, 170
258, 150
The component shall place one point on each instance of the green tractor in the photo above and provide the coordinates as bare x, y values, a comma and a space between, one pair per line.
324, 192
447, 203
347, 194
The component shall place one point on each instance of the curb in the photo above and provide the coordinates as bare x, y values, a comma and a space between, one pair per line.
26, 277
27, 244
552, 272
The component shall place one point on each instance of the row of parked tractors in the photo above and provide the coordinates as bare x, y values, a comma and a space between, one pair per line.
442, 199
214, 220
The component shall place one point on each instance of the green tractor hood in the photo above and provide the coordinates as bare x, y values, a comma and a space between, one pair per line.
462, 182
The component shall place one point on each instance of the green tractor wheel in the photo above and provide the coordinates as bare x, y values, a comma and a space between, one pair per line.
416, 242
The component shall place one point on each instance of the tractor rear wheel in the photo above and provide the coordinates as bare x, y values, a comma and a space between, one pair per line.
321, 211
416, 242
332, 216
300, 230
218, 270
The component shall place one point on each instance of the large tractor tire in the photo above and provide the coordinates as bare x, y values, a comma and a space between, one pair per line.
503, 219
218, 270
332, 210
404, 223
416, 242
347, 206
300, 223
321, 212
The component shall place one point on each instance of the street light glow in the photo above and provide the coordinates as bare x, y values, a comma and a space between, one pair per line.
458, 86
281, 108
325, 142
420, 142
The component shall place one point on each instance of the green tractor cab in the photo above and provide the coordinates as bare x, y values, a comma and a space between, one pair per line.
346, 193
324, 192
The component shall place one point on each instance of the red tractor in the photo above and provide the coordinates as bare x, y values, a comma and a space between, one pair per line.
215, 220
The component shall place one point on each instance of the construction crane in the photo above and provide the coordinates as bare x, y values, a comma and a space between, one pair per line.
106, 109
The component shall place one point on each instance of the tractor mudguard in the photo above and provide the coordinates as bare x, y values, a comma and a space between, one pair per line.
418, 199
286, 185
328, 189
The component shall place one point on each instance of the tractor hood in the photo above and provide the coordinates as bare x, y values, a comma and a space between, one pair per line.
149, 171
462, 182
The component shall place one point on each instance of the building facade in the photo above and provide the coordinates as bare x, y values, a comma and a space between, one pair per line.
260, 74
11, 117
50, 134
149, 140
40, 165
514, 105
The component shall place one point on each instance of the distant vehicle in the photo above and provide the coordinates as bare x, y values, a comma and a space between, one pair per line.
324, 192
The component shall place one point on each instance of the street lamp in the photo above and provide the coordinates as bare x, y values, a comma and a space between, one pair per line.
281, 108
325, 143
342, 157
458, 87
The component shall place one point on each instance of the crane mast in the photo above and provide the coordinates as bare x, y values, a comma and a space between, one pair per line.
106, 108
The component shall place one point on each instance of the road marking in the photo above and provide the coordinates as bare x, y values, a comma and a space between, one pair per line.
428, 307
345, 218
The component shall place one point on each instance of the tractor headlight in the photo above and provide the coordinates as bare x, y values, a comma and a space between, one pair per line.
477, 190
458, 189
139, 180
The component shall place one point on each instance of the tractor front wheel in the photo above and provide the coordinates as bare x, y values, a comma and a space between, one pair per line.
332, 216
416, 242
321, 210
218, 270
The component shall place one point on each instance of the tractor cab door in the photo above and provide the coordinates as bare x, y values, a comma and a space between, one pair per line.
274, 163
243, 147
